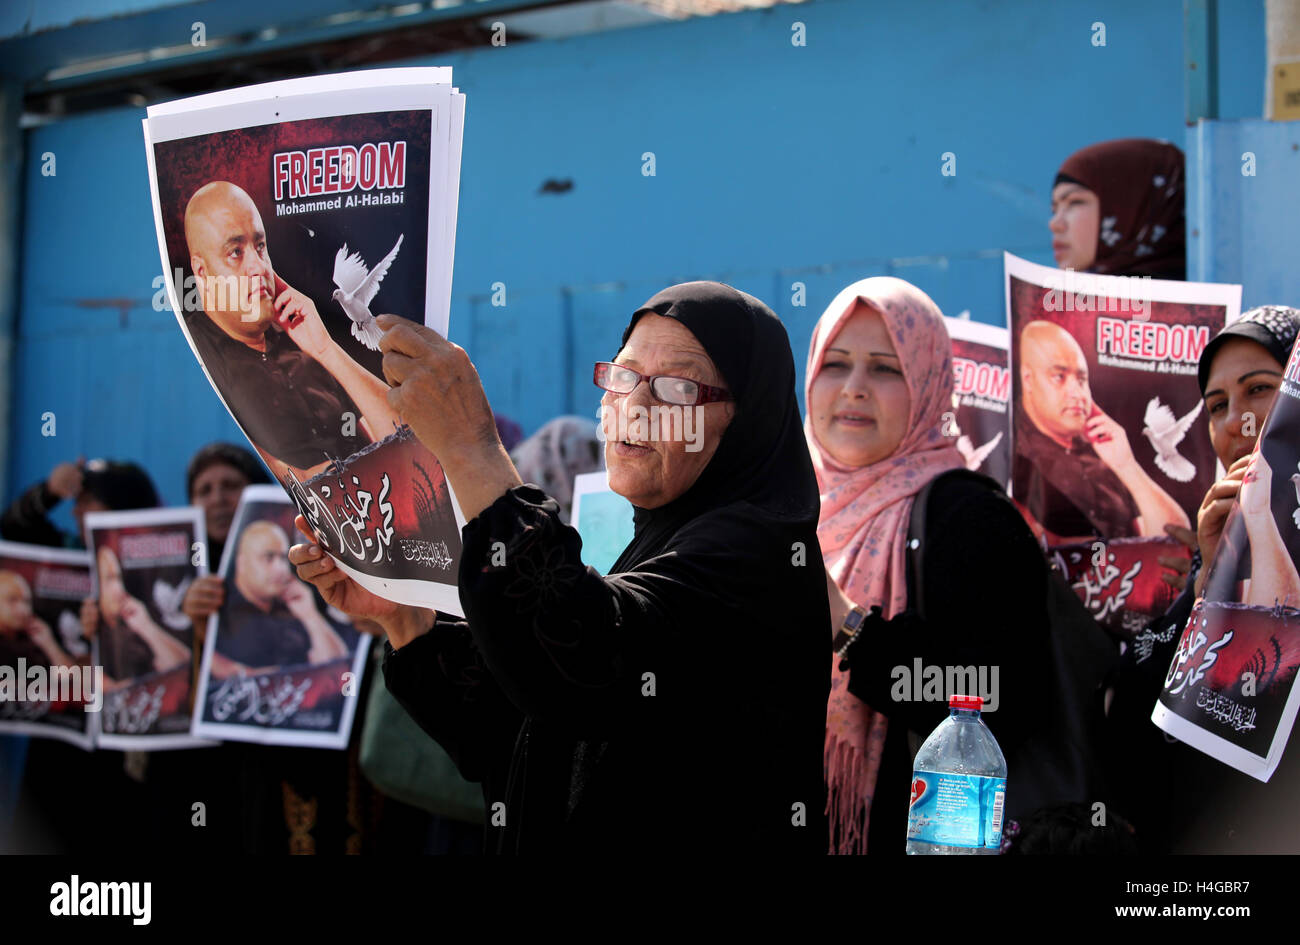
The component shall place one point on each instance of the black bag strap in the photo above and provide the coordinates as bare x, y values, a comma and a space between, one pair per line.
916, 533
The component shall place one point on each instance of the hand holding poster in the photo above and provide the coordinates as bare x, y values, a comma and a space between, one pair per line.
48, 686
279, 667
290, 217
1230, 690
981, 419
1110, 445
145, 561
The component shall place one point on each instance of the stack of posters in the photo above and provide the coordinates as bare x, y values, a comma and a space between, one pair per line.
1231, 688
290, 215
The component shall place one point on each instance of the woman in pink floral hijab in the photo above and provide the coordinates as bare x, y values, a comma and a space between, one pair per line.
878, 382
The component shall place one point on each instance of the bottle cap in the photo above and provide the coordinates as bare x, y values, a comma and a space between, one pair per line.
975, 703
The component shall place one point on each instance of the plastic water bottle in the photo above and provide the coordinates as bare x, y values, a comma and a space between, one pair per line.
959, 786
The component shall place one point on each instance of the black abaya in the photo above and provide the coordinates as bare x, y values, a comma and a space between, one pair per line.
679, 702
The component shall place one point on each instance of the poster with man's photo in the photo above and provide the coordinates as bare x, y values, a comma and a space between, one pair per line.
48, 685
981, 421
1230, 690
1110, 440
290, 217
280, 667
143, 563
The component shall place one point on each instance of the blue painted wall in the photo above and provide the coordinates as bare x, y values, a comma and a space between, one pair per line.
1244, 227
775, 165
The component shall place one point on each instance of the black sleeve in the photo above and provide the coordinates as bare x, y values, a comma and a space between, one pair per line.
985, 586
1146, 661
440, 679
567, 644
27, 519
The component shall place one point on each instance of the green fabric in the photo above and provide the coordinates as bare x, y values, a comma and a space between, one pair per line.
402, 761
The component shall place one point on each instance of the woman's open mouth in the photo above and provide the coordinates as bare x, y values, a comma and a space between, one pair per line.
854, 420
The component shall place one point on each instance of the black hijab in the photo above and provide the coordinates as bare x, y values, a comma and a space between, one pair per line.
762, 459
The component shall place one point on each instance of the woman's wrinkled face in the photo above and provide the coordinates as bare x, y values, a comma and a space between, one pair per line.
1075, 225
859, 401
655, 452
1241, 388
216, 491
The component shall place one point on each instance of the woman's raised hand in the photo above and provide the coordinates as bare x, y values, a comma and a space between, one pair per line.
435, 389
336, 588
1214, 513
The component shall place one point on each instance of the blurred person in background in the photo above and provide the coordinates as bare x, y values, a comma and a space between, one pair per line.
69, 800
98, 486
1117, 209
564, 448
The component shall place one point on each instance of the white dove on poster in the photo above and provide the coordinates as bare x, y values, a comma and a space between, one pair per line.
357, 287
1165, 433
70, 634
975, 457
168, 601
1295, 481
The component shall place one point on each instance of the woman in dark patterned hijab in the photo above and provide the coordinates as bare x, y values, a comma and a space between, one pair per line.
1117, 209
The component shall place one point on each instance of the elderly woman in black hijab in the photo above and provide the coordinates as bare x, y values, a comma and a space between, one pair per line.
679, 702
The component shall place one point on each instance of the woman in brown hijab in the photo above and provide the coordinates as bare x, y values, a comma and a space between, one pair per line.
1117, 209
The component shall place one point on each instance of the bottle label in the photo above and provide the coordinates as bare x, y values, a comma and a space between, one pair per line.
956, 810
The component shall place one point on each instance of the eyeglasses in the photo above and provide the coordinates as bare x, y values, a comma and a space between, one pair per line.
618, 379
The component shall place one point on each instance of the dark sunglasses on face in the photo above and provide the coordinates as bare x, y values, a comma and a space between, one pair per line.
618, 379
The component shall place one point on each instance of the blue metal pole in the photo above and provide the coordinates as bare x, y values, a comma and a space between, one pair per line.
1201, 58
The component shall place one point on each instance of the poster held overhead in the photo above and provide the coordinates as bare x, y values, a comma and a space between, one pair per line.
289, 217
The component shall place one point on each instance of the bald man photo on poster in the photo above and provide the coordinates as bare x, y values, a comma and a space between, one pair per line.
1093, 360
290, 385
284, 240
279, 666
1075, 464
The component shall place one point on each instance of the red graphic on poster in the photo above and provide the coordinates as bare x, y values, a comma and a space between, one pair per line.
1120, 581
